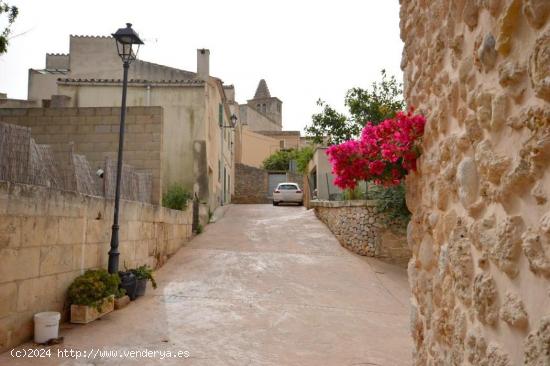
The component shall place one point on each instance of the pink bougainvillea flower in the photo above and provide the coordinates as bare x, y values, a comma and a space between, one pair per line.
384, 153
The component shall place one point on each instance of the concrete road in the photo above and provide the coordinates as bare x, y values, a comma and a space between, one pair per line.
262, 286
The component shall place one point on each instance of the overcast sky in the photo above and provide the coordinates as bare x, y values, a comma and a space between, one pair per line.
304, 49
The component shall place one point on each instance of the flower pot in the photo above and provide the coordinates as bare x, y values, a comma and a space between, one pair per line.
83, 314
128, 282
121, 302
141, 286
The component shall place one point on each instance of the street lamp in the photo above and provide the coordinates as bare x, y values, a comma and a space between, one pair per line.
233, 120
125, 39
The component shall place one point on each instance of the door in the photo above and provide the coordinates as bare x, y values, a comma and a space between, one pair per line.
273, 180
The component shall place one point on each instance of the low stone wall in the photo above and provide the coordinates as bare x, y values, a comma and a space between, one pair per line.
48, 237
250, 185
359, 228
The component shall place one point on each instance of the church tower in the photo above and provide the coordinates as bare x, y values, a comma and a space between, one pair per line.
263, 102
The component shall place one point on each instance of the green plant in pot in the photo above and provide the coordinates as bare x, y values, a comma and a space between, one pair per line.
92, 295
92, 287
143, 274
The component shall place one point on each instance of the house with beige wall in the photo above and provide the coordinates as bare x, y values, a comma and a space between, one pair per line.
260, 132
197, 150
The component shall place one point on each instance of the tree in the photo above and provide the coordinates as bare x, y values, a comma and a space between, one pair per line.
303, 156
11, 12
280, 160
382, 101
330, 127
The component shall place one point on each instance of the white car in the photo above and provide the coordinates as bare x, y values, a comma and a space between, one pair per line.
288, 192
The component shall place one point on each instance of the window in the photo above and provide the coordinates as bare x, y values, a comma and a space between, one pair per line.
282, 144
264, 108
258, 106
279, 107
219, 170
288, 187
220, 114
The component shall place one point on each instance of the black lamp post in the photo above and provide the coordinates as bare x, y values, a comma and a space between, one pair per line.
125, 39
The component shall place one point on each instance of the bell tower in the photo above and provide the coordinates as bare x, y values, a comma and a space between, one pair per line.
263, 102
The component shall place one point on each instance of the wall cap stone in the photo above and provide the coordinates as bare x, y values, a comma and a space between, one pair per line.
351, 203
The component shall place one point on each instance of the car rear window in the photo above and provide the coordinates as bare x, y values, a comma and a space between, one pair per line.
288, 187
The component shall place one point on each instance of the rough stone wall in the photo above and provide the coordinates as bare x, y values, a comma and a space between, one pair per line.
480, 232
250, 185
359, 228
94, 134
48, 237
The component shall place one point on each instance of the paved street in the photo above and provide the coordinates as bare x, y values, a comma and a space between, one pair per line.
262, 286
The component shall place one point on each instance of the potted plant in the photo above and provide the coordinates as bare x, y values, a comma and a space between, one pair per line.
143, 274
128, 283
92, 295
121, 299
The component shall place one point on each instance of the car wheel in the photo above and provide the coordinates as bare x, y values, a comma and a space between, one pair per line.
275, 203
301, 203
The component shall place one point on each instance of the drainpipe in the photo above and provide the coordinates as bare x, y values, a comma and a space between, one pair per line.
148, 95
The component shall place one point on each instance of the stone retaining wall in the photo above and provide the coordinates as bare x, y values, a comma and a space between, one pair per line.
250, 185
48, 237
359, 228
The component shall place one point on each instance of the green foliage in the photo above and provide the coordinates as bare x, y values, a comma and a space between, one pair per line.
381, 102
91, 287
119, 293
144, 273
176, 197
280, 160
330, 127
391, 202
11, 12
303, 156
353, 194
200, 229
376, 104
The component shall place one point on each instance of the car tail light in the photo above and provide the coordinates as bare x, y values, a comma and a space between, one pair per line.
298, 191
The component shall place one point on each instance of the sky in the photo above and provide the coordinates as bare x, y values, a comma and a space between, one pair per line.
305, 50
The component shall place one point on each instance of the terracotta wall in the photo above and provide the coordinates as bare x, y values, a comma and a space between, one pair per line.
49, 237
480, 233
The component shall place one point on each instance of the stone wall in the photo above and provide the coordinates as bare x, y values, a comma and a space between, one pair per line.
48, 237
93, 132
480, 232
250, 185
359, 228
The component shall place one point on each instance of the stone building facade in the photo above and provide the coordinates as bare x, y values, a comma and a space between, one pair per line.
480, 231
197, 151
260, 132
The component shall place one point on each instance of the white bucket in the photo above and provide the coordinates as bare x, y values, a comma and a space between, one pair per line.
46, 326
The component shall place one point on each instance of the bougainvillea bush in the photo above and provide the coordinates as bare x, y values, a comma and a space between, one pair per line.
383, 154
